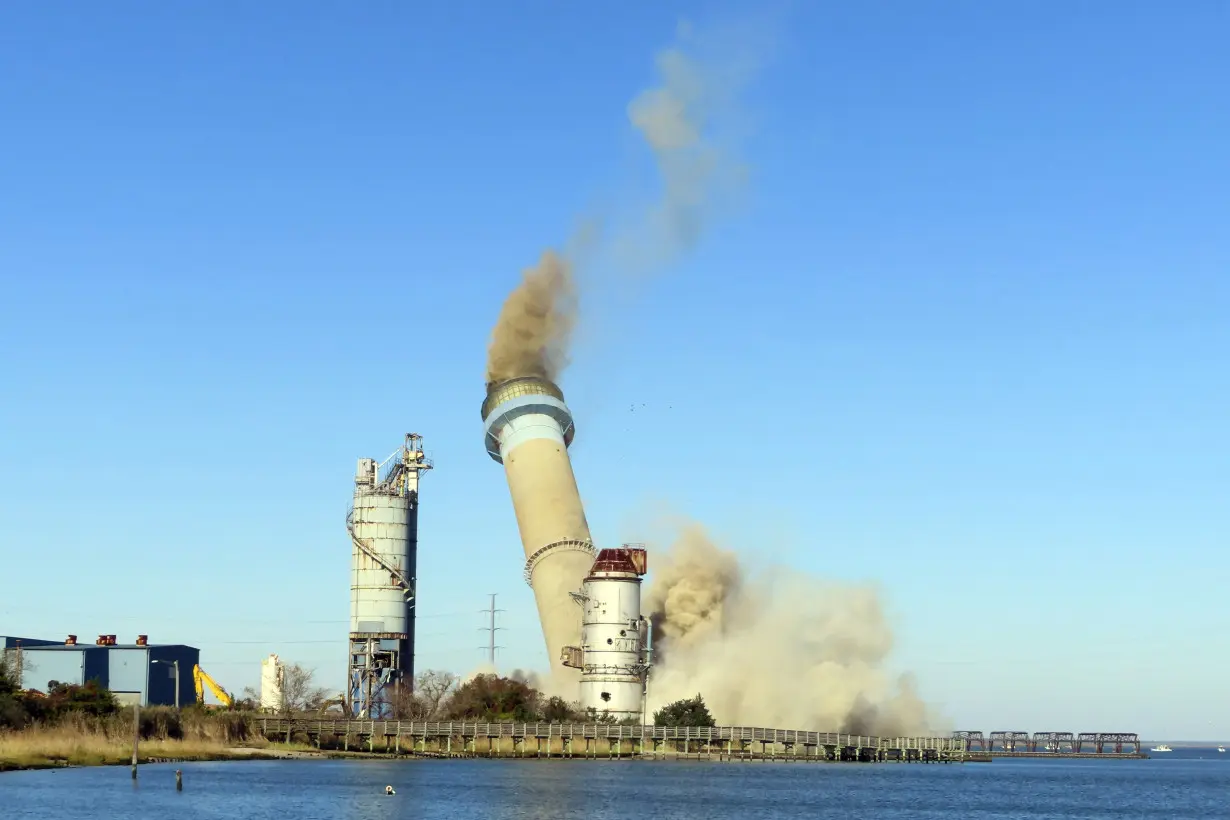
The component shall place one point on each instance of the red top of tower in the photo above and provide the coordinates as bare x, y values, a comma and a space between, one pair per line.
632, 560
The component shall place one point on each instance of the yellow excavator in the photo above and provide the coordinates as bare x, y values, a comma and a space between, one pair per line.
200, 676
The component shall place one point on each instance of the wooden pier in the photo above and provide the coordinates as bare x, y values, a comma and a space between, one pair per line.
601, 741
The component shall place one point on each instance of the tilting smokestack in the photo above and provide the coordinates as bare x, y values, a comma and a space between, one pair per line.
528, 430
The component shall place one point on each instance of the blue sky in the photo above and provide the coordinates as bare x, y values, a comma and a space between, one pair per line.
965, 337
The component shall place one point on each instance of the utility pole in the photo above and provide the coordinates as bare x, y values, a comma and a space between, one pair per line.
136, 733
491, 647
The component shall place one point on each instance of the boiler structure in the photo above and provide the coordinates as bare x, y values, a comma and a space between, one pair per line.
614, 653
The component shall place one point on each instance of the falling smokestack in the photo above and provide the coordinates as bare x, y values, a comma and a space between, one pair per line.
528, 430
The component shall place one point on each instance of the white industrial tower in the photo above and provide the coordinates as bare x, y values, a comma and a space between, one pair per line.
614, 655
383, 528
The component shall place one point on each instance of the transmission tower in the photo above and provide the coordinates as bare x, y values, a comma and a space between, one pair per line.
491, 647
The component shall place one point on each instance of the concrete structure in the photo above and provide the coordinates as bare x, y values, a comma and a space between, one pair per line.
138, 672
383, 528
528, 429
614, 637
272, 678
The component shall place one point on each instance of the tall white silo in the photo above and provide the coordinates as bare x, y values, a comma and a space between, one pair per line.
383, 528
273, 676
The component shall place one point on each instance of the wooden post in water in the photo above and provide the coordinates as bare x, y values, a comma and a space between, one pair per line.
136, 733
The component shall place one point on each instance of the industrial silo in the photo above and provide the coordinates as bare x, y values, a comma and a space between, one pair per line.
383, 528
272, 679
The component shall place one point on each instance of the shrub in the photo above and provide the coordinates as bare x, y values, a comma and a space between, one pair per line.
686, 712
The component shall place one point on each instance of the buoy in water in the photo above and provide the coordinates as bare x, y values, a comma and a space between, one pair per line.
389, 790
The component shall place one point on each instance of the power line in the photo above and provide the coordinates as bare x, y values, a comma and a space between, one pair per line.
230, 621
491, 647
320, 641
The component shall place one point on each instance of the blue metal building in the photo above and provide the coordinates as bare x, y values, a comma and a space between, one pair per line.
11, 642
138, 672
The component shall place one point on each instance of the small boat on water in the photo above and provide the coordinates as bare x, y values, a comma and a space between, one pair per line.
1161, 747
1221, 749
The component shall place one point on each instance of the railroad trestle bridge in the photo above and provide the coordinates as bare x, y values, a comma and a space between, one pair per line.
1058, 744
599, 740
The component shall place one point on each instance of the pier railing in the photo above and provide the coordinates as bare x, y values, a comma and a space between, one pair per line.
603, 731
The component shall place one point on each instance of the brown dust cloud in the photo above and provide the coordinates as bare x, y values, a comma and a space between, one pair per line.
775, 649
778, 649
674, 119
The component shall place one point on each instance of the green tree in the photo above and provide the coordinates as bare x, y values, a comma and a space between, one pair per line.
8, 674
493, 698
686, 712
12, 711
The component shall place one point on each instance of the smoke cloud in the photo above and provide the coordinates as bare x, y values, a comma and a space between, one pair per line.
780, 650
675, 119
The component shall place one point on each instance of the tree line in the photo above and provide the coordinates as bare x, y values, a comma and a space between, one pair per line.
436, 696
443, 696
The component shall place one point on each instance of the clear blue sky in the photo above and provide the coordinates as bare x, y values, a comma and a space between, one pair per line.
966, 338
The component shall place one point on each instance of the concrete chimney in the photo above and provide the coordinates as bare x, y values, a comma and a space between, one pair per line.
528, 430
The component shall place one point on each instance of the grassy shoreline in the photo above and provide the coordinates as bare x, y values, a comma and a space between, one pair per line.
166, 735
54, 749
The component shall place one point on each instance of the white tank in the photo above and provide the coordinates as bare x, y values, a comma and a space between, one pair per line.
613, 634
272, 677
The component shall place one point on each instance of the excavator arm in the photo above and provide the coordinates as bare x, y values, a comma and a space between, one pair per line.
200, 679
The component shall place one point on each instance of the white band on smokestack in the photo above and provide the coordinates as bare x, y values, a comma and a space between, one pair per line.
525, 418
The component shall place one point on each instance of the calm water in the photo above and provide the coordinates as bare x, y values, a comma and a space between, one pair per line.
1171, 788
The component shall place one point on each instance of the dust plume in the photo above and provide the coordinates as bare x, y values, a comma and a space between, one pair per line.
681, 121
532, 333
676, 120
779, 650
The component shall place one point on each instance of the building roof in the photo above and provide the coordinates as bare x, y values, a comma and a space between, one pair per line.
41, 644
627, 559
56, 647
10, 641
